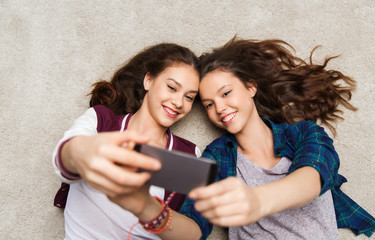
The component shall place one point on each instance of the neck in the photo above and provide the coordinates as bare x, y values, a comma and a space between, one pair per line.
255, 138
256, 143
143, 124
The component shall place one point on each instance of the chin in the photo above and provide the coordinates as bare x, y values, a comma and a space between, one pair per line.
169, 122
232, 130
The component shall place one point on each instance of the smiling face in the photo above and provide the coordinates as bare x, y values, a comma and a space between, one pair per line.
171, 94
229, 104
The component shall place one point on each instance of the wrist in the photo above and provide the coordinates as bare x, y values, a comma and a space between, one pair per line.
265, 207
152, 208
162, 221
65, 160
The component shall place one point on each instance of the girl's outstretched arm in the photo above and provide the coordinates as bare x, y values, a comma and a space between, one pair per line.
106, 165
146, 208
231, 202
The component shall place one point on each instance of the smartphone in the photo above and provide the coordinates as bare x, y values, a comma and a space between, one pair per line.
180, 172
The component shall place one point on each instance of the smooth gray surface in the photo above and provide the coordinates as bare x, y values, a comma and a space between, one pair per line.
52, 51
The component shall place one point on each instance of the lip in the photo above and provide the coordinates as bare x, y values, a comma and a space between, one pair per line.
170, 112
228, 118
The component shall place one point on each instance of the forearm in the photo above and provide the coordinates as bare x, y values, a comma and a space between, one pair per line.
67, 157
180, 227
85, 125
67, 176
295, 190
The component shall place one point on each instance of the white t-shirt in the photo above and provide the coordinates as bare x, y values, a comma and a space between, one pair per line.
315, 220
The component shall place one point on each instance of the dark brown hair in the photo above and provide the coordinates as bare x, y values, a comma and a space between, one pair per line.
125, 92
288, 88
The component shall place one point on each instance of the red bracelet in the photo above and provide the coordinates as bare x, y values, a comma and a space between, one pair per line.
156, 225
162, 229
156, 222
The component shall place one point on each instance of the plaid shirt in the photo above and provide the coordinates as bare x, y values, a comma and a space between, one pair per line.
306, 144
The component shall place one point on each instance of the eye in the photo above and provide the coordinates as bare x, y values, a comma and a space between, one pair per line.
208, 106
189, 98
172, 88
227, 93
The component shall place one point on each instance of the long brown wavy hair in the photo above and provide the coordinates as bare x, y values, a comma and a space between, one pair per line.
288, 88
125, 92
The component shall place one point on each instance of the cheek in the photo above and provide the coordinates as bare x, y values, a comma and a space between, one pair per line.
188, 106
211, 115
163, 95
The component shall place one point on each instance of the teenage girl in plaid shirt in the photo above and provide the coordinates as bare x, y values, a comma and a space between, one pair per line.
278, 170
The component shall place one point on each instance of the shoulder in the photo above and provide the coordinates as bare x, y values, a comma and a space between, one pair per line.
307, 125
296, 128
221, 144
296, 131
222, 141
308, 129
183, 145
103, 110
107, 119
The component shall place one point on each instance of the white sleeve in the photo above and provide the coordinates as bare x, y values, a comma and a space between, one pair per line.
197, 152
85, 125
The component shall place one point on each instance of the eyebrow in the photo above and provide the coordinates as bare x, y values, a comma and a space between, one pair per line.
180, 85
216, 92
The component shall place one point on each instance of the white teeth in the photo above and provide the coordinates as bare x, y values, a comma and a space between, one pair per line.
229, 117
170, 111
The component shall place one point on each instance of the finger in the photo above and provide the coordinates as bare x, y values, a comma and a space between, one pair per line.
129, 158
107, 186
121, 176
119, 138
131, 179
226, 210
132, 136
216, 201
229, 221
214, 189
130, 145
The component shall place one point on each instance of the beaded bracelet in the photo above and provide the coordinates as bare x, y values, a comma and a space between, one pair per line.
155, 225
163, 228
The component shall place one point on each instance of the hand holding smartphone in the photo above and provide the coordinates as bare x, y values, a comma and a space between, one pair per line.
180, 172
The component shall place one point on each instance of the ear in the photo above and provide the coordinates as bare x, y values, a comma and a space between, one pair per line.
252, 89
147, 81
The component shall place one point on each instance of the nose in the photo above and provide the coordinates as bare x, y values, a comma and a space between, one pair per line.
220, 107
177, 101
